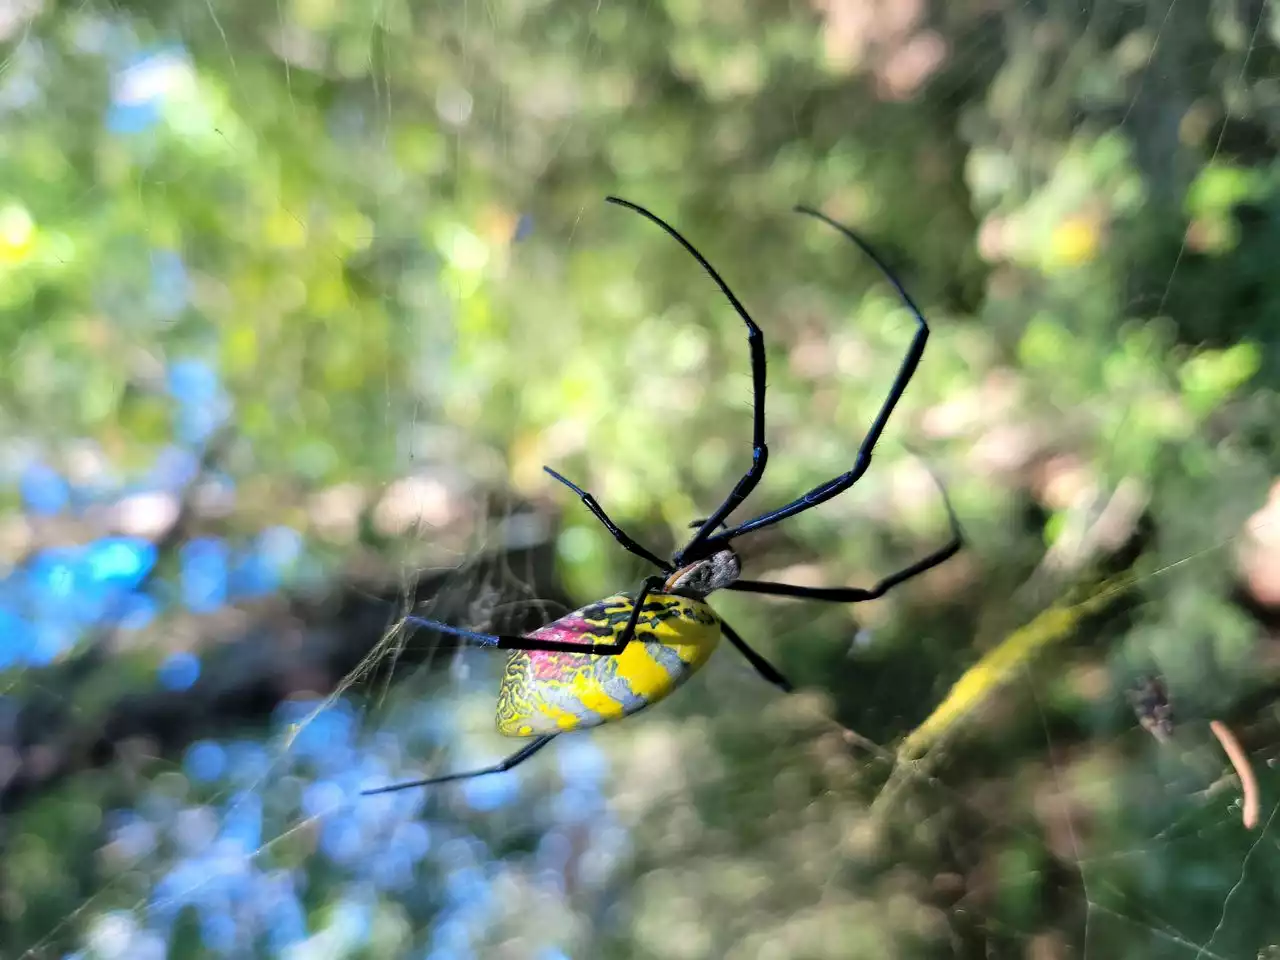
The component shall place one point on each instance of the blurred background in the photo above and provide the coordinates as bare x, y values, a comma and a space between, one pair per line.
296, 299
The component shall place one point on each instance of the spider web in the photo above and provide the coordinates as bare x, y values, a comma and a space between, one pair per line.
732, 821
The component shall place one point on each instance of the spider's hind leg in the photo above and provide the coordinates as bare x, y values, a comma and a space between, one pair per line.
517, 758
762, 666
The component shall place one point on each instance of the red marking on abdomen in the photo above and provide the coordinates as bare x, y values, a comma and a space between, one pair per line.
554, 664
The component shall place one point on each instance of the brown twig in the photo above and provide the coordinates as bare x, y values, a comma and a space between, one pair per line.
1244, 770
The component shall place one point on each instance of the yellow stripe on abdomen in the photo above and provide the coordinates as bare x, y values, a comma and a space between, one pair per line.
646, 676
588, 692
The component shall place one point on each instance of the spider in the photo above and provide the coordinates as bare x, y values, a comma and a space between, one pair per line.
617, 656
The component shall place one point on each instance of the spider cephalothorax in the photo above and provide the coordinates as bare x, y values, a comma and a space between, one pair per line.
704, 577
617, 656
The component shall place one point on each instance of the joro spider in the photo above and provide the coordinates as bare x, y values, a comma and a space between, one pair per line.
617, 656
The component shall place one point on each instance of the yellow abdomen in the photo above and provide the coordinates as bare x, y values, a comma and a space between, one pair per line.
545, 692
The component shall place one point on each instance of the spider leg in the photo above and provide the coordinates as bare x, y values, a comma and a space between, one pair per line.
825, 491
850, 594
755, 340
506, 641
617, 532
763, 667
517, 758
859, 594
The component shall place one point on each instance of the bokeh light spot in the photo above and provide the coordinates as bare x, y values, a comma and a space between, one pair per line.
179, 671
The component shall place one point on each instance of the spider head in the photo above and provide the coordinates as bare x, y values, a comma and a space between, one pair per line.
705, 576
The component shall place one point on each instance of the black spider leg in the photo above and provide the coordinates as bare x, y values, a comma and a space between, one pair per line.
763, 667
858, 594
825, 491
755, 339
504, 641
517, 758
617, 532
625, 540
771, 673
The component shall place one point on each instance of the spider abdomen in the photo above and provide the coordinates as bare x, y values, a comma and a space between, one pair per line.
546, 692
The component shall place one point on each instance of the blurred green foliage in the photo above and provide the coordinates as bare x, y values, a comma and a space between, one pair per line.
1084, 200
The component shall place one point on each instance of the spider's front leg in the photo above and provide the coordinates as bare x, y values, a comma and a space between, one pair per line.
862, 460
755, 340
860, 594
618, 534
507, 641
